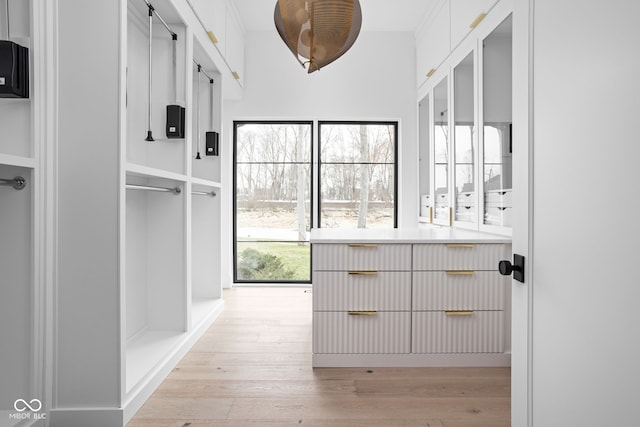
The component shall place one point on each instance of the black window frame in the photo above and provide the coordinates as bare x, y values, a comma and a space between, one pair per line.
236, 124
396, 126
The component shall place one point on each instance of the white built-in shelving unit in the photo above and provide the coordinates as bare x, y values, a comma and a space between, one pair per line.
464, 112
139, 233
22, 214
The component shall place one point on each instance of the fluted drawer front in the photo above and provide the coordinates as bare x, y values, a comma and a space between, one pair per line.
361, 290
436, 332
439, 290
341, 333
459, 256
361, 257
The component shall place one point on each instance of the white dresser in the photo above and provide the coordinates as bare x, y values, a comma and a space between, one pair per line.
418, 297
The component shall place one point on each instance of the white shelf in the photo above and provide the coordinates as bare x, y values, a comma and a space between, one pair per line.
147, 351
203, 309
206, 182
149, 172
19, 161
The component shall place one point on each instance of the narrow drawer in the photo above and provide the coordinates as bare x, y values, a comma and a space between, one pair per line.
466, 199
344, 333
459, 256
459, 290
343, 257
437, 332
361, 290
498, 215
498, 196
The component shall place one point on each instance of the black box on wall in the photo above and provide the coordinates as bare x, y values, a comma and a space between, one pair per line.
14, 70
212, 143
175, 121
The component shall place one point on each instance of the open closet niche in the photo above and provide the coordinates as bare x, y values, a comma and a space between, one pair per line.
17, 282
171, 214
205, 146
155, 66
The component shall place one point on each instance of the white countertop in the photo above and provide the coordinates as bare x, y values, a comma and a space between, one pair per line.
404, 235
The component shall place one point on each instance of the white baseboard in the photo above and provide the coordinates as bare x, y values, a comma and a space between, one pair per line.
410, 360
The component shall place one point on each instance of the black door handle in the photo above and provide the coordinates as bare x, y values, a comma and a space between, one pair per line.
517, 268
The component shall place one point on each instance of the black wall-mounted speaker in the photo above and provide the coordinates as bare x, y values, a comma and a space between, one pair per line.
14, 70
212, 143
175, 121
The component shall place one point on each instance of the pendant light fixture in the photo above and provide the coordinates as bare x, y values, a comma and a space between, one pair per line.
318, 31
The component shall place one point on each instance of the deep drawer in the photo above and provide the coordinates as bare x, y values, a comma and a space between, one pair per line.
361, 256
379, 333
437, 332
361, 290
459, 290
459, 256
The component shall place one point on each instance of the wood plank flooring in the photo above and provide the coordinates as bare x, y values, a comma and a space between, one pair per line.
253, 368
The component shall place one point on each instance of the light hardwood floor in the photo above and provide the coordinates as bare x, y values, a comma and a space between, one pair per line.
253, 368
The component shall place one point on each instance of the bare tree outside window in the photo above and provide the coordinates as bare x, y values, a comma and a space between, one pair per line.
272, 201
357, 174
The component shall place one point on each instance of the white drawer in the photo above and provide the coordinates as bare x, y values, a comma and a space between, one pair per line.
498, 215
343, 257
466, 199
498, 196
467, 214
382, 333
459, 290
361, 290
425, 200
459, 256
437, 332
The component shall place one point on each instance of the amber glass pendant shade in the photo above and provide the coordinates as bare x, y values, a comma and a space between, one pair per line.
318, 31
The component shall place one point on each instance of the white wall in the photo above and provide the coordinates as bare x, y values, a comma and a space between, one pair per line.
375, 80
586, 346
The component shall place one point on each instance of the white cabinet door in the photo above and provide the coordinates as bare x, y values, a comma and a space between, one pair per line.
433, 43
235, 47
463, 14
213, 14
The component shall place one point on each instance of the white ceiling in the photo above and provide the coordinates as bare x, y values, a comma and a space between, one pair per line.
377, 15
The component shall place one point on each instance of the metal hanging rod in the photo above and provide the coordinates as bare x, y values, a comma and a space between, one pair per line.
153, 10
175, 190
205, 193
17, 183
203, 71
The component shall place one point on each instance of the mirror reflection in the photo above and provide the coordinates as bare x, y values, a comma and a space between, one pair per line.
441, 152
497, 151
465, 149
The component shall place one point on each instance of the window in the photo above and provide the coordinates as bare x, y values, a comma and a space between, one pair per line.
357, 177
272, 201
274, 183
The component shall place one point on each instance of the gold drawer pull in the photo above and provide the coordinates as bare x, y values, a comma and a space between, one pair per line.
363, 245
363, 273
461, 245
362, 312
458, 312
460, 272
213, 38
